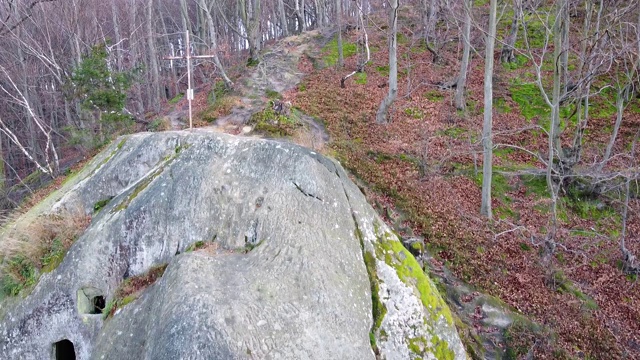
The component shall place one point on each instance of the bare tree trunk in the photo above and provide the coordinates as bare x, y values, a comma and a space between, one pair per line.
629, 260
564, 57
555, 145
116, 32
320, 13
184, 11
283, 18
584, 87
154, 91
76, 34
508, 48
302, 23
620, 98
135, 54
383, 111
250, 13
460, 100
430, 11
202, 28
365, 40
339, 19
487, 124
214, 44
557, 79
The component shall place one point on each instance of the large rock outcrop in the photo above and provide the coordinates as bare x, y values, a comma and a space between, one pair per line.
294, 255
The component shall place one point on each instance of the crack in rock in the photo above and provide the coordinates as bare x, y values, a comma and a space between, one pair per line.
306, 193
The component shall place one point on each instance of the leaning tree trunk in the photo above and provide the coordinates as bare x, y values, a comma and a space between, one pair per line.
620, 98
460, 101
214, 44
383, 111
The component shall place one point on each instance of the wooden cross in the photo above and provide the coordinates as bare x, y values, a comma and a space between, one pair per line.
188, 57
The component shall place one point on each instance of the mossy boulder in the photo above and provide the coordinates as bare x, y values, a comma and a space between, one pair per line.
272, 252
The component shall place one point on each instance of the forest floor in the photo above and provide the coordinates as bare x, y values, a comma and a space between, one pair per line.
423, 173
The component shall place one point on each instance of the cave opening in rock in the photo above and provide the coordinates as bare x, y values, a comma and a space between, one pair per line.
64, 350
98, 304
90, 301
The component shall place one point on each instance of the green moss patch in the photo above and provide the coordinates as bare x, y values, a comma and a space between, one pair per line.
272, 94
20, 273
330, 51
434, 95
176, 99
101, 203
411, 273
521, 61
535, 185
271, 123
562, 284
361, 78
414, 113
530, 101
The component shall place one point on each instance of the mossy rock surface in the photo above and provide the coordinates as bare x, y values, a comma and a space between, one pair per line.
293, 249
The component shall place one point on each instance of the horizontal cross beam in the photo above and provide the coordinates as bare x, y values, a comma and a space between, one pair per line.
188, 57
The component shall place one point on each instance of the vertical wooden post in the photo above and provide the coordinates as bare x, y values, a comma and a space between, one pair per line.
189, 89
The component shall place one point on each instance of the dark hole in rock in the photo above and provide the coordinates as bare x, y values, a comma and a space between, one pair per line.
90, 301
64, 350
98, 304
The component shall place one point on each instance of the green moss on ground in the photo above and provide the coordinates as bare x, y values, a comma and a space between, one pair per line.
562, 284
270, 123
330, 51
361, 78
176, 99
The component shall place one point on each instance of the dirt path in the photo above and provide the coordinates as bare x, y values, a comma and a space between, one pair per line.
277, 72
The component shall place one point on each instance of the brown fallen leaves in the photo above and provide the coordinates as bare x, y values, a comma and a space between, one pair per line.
424, 164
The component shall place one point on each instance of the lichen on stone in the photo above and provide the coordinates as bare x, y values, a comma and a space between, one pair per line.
425, 328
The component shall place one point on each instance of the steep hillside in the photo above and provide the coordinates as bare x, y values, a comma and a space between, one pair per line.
423, 172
